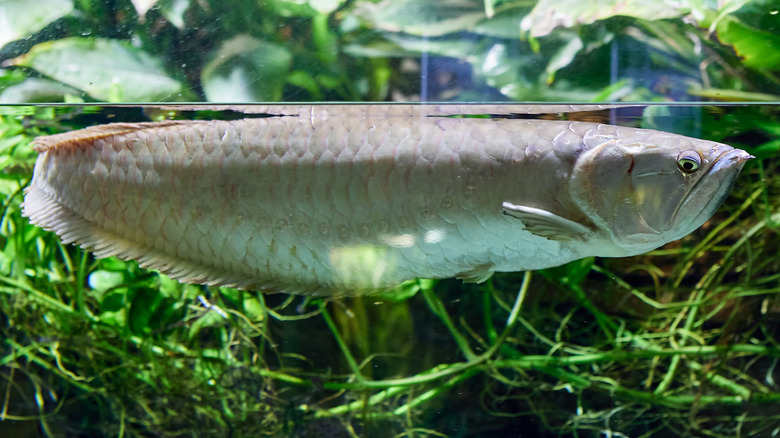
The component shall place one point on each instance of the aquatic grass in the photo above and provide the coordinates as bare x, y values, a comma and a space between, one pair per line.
682, 341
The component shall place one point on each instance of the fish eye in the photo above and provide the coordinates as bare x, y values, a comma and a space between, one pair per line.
689, 161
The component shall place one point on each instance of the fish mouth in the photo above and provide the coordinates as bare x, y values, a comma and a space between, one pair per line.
724, 172
735, 156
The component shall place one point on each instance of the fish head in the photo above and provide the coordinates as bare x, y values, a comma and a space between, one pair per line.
646, 188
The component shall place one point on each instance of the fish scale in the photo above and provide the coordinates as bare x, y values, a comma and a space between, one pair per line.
318, 202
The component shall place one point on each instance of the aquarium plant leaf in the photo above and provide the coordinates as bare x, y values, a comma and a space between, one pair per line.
18, 19
563, 57
105, 69
244, 69
143, 6
425, 17
325, 6
504, 24
757, 47
549, 14
506, 70
102, 280
142, 308
37, 90
173, 10
449, 47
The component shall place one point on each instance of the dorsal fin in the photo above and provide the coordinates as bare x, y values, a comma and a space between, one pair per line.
89, 135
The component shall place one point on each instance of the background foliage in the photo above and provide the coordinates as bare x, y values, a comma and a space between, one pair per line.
680, 342
313, 50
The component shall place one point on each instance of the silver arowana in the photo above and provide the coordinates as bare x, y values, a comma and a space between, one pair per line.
357, 199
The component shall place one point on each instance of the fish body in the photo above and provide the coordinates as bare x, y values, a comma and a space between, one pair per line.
357, 199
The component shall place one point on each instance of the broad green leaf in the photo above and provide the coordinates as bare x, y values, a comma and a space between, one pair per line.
35, 90
505, 70
760, 14
757, 47
453, 48
11, 77
725, 8
169, 287
208, 319
324, 39
770, 127
107, 70
293, 8
490, 7
376, 49
114, 264
515, 74
254, 309
101, 280
233, 297
305, 8
505, 24
113, 307
303, 79
173, 10
425, 17
549, 14
21, 18
325, 6
142, 308
142, 6
563, 57
767, 150
623, 90
731, 5
244, 69
168, 311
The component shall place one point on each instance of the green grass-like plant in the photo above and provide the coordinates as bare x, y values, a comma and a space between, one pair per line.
681, 341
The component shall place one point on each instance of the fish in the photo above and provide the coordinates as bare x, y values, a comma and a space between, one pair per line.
344, 200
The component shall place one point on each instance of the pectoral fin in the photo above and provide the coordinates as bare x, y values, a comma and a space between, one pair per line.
545, 224
478, 274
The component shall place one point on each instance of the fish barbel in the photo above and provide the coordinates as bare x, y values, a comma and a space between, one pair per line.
356, 199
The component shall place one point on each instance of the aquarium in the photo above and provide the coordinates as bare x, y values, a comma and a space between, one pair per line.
678, 341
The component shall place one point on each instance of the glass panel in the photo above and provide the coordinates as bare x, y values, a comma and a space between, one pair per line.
398, 50
681, 340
